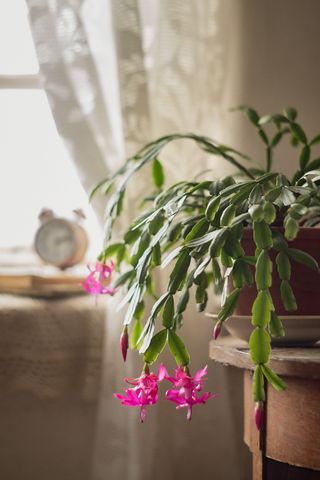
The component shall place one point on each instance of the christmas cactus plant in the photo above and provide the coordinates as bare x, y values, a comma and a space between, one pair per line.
194, 229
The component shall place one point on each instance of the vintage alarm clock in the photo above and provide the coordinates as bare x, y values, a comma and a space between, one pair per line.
59, 241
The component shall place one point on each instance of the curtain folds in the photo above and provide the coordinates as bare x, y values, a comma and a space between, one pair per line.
119, 73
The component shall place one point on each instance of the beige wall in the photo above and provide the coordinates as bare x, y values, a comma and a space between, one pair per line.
273, 61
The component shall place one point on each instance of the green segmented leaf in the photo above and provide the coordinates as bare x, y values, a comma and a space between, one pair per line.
256, 194
157, 306
212, 208
140, 247
276, 139
198, 230
242, 193
315, 140
247, 273
216, 271
241, 274
229, 305
283, 266
269, 212
208, 237
132, 305
313, 165
179, 271
135, 335
237, 276
256, 213
263, 271
178, 349
232, 246
143, 267
183, 301
303, 257
258, 385
277, 383
279, 243
156, 223
290, 113
139, 311
262, 235
156, 254
156, 346
112, 249
118, 204
168, 312
174, 232
107, 183
250, 260
200, 294
123, 278
298, 132
171, 256
217, 243
157, 173
202, 266
304, 157
275, 326
286, 197
236, 188
299, 208
266, 119
226, 260
259, 344
239, 220
120, 255
201, 306
287, 296
148, 329
127, 297
250, 113
228, 215
263, 136
131, 236
273, 194
267, 177
261, 309
291, 228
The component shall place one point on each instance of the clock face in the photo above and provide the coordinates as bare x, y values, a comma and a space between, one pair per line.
55, 242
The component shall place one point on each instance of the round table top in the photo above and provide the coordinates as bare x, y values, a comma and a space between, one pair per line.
303, 362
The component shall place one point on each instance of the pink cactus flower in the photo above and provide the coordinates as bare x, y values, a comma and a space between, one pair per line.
99, 279
124, 343
188, 388
144, 391
217, 330
258, 414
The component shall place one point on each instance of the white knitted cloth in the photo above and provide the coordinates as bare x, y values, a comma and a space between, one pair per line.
51, 347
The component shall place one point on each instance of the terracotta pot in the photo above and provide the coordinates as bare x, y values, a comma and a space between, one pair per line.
305, 282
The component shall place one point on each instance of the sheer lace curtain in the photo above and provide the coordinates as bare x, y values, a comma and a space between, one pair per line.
119, 73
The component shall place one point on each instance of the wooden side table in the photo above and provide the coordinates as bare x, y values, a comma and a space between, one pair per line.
288, 445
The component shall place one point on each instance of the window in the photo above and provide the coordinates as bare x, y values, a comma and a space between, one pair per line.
35, 169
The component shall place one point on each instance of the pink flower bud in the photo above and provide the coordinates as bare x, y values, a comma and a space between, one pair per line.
217, 330
258, 415
124, 343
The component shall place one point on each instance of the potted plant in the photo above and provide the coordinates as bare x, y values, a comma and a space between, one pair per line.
250, 235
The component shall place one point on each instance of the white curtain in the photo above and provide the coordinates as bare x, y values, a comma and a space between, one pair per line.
119, 73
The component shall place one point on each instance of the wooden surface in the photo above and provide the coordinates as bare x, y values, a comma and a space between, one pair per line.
303, 362
288, 445
43, 281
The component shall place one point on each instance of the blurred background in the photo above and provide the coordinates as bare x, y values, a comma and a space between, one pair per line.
83, 85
